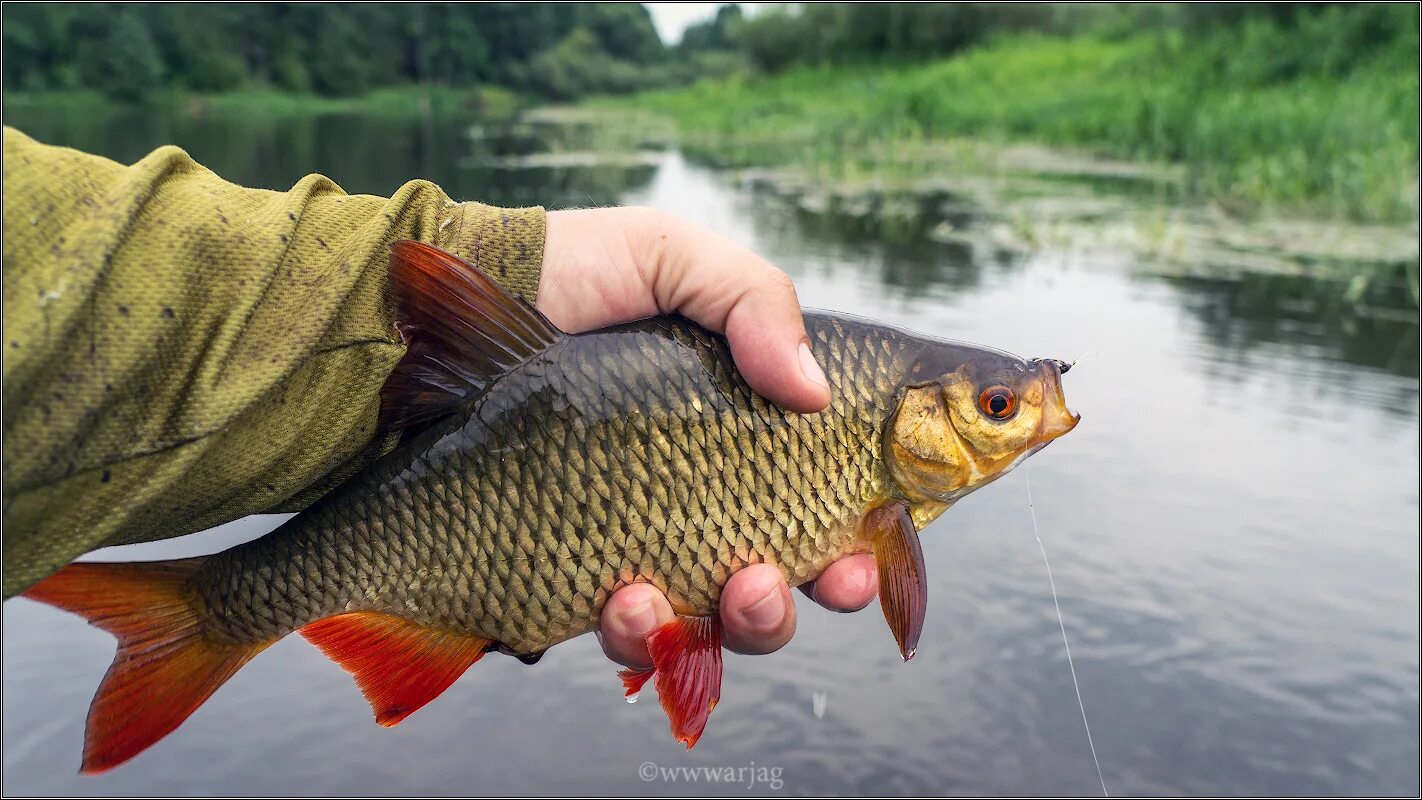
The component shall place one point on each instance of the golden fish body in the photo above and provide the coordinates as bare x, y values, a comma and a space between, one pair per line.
633, 454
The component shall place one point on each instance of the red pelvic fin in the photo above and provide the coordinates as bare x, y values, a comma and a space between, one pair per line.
903, 582
686, 659
164, 667
398, 665
462, 329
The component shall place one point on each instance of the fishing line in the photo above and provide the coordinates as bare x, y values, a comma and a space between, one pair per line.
1061, 622
1082, 357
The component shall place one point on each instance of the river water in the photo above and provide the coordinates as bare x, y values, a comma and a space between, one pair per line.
1233, 528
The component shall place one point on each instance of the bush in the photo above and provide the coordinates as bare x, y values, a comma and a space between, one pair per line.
1315, 111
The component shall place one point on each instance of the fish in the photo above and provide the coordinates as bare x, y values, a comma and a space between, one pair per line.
538, 472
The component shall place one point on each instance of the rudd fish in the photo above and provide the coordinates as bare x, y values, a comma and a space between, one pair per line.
539, 473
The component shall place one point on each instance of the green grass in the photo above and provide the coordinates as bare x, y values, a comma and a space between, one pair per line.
1326, 141
487, 101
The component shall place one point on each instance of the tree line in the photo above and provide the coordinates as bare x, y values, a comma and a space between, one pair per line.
563, 51
791, 34
129, 50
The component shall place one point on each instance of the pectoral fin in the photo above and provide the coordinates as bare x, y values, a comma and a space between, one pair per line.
903, 582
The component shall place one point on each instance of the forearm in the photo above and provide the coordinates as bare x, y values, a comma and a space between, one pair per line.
181, 351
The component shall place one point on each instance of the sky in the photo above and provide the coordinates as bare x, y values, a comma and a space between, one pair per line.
672, 18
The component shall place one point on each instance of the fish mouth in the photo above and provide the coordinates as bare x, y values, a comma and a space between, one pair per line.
1056, 425
1057, 419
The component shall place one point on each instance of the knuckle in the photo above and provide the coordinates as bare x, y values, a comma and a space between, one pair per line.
778, 281
652, 217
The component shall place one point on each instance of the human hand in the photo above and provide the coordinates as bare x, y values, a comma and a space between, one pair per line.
608, 265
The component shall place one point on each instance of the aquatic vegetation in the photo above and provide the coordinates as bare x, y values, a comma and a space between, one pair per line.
1260, 116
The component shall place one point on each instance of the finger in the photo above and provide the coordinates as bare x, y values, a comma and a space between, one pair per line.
629, 616
757, 611
727, 288
846, 585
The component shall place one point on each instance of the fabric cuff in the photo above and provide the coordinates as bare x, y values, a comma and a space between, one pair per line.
507, 243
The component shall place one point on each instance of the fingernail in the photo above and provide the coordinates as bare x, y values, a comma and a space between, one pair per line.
642, 618
810, 367
767, 612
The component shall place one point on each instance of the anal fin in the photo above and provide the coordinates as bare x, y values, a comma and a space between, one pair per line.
399, 665
686, 661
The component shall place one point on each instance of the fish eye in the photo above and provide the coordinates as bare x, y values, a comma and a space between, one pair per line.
997, 402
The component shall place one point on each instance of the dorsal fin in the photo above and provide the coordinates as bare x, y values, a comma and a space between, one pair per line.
462, 329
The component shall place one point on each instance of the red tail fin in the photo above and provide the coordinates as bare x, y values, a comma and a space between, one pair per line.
165, 666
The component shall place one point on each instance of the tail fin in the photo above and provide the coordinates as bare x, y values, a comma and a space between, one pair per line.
165, 666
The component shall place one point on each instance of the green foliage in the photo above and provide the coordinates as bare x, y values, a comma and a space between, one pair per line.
624, 31
449, 47
485, 102
1314, 110
844, 33
335, 49
194, 41
124, 63
338, 65
716, 34
1304, 105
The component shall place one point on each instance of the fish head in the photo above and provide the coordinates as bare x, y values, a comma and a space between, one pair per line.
966, 416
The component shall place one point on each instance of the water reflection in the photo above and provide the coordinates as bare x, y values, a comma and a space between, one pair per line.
894, 247
1233, 529
1308, 318
364, 153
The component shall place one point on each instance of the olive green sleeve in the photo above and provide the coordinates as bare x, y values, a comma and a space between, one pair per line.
181, 351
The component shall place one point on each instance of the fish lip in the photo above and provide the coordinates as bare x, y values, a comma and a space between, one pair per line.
1059, 425
1057, 419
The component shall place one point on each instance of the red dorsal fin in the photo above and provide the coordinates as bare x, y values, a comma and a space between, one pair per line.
399, 665
686, 659
164, 667
463, 330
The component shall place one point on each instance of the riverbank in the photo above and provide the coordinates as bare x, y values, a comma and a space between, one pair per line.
986, 201
1330, 142
481, 101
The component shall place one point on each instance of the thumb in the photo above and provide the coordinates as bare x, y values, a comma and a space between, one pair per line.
727, 288
767, 336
